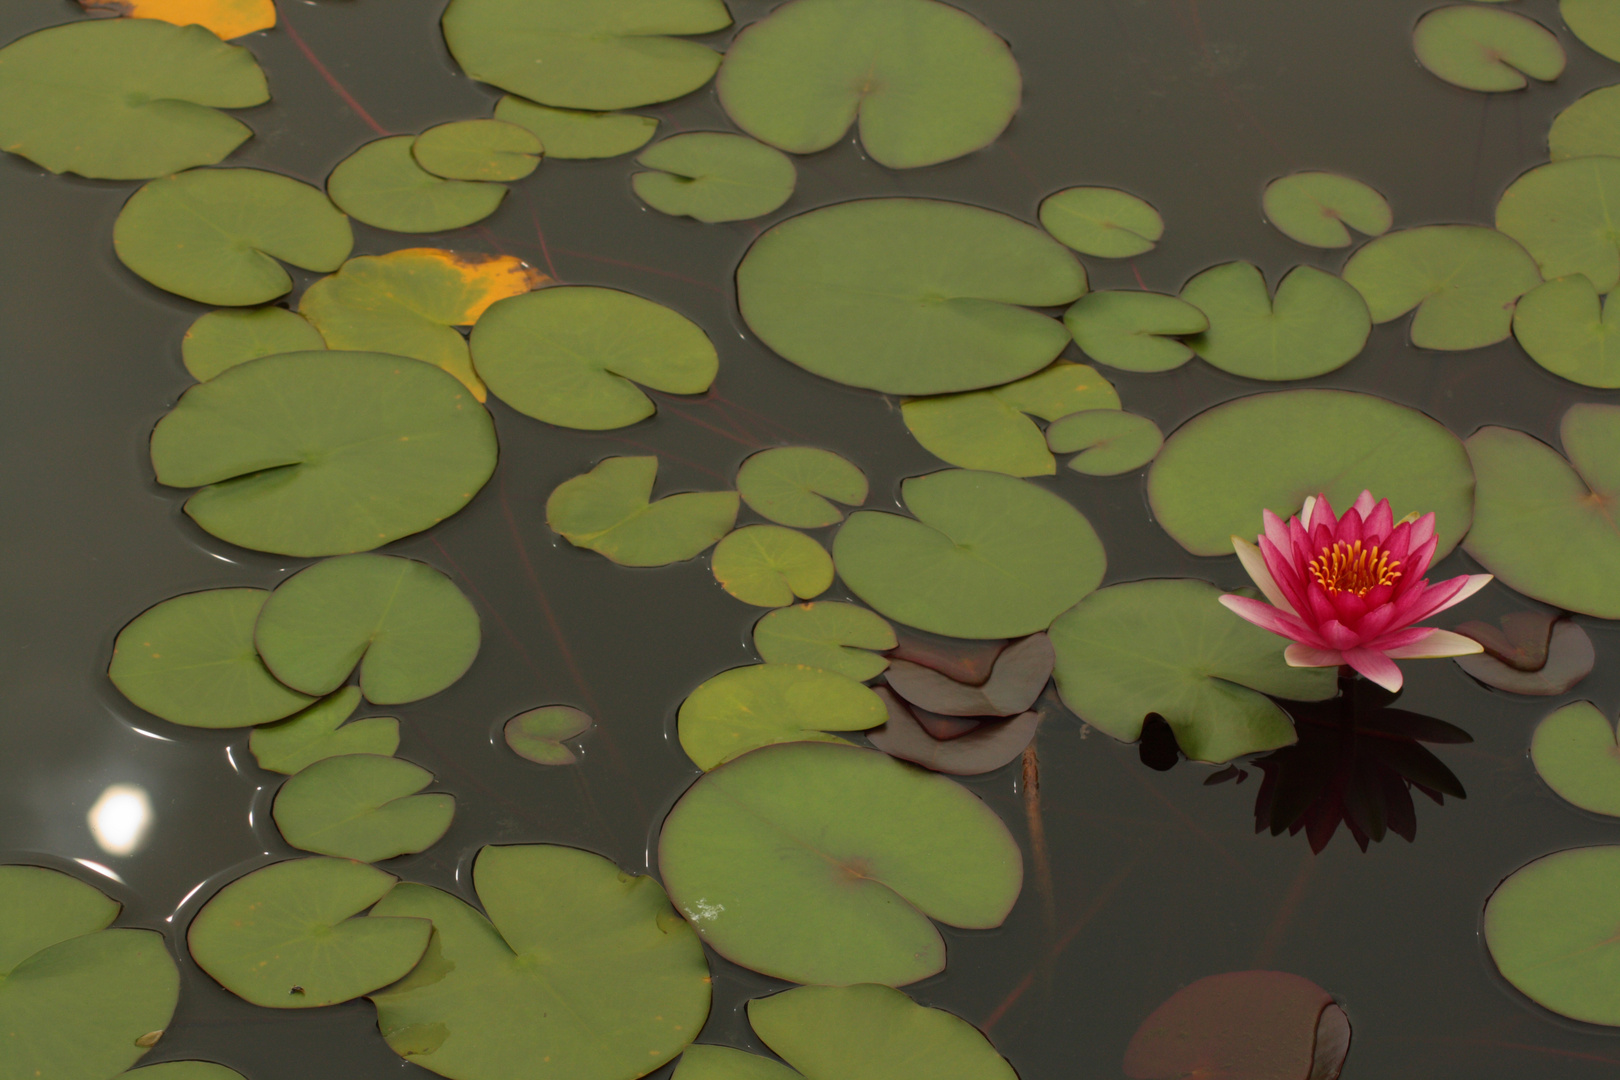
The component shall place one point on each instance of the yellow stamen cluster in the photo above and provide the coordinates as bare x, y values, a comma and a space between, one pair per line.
1354, 569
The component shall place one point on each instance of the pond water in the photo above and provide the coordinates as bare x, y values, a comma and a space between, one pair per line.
1155, 879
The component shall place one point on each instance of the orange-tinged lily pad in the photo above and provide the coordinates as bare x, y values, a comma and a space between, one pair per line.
226, 18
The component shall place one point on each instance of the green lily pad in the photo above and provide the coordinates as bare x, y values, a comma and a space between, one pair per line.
214, 235
872, 1033
125, 99
75, 997
704, 1061
908, 296
1480, 48
578, 54
1169, 647
610, 511
222, 339
1220, 469
1595, 23
1588, 128
318, 732
571, 355
749, 707
1134, 331
382, 185
1561, 214
1528, 495
1574, 750
1462, 279
1316, 324
818, 863
1102, 221
191, 661
1314, 208
291, 936
184, 1070
987, 556
926, 82
405, 624
771, 566
362, 806
1110, 441
1550, 929
570, 134
786, 484
714, 176
579, 971
827, 634
988, 429
325, 453
1570, 331
478, 150
538, 734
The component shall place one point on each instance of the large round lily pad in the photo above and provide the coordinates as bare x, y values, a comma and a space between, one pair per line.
1570, 331
1102, 221
408, 628
76, 998
1220, 469
572, 355
362, 806
125, 99
1316, 323
1134, 331
191, 661
1315, 207
382, 185
570, 133
222, 339
987, 556
580, 972
1169, 647
823, 864
214, 235
909, 296
320, 732
1480, 48
1589, 127
1550, 929
771, 566
325, 453
1575, 752
797, 485
581, 54
478, 150
1562, 214
1545, 526
828, 634
714, 176
749, 707
291, 935
926, 82
610, 510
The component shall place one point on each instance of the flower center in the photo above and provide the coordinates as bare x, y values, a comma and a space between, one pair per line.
1353, 568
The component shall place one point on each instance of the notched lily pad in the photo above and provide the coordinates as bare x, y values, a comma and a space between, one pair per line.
797, 485
362, 806
1575, 752
1102, 221
478, 150
610, 510
1480, 48
1570, 331
1110, 441
1561, 213
222, 339
572, 134
1532, 653
1315, 207
1017, 678
771, 566
749, 707
538, 735
985, 747
382, 185
1134, 331
827, 634
320, 732
714, 176
1316, 323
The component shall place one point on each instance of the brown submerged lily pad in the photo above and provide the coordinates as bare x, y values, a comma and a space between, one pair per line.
986, 748
955, 658
1531, 653
1017, 677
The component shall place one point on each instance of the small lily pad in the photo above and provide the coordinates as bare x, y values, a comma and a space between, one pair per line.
291, 936
1561, 213
1017, 678
408, 628
823, 864
191, 661
478, 150
749, 707
771, 566
926, 82
125, 99
538, 734
222, 339
706, 1061
571, 134
1102, 221
1550, 929
579, 54
1566, 658
985, 747
1595, 23
1110, 441
571, 355
1462, 279
325, 453
1588, 128
1480, 48
792, 485
362, 806
908, 296
1316, 324
184, 1070
214, 235
1134, 331
986, 556
828, 634
382, 185
1574, 750
1570, 331
714, 176
320, 732
610, 511
1314, 208
1169, 647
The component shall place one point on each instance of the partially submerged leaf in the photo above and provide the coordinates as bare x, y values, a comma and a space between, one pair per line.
222, 339
771, 566
478, 150
318, 732
225, 18
382, 185
1316, 324
1566, 658
1134, 331
749, 707
570, 134
1110, 441
610, 510
827, 634
1102, 221
1016, 680
1314, 208
538, 735
363, 807
1480, 48
984, 748
1566, 328
1521, 641
1575, 752
1550, 929
1258, 1025
714, 176
797, 485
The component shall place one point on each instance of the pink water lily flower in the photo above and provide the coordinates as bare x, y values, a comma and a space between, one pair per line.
1347, 590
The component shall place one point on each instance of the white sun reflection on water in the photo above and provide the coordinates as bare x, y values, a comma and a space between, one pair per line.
121, 818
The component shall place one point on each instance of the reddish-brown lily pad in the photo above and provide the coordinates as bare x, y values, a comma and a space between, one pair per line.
957, 659
1017, 677
987, 747
1531, 653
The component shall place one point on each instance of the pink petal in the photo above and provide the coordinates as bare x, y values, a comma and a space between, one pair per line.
1378, 596
1448, 593
1269, 618
1422, 529
1339, 636
1298, 655
1349, 606
1319, 609
1398, 543
1417, 560
1299, 542
1254, 564
1306, 509
1437, 643
1397, 639
1376, 666
1276, 528
1380, 522
1322, 515
1285, 575
1364, 504
1349, 530
1376, 621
